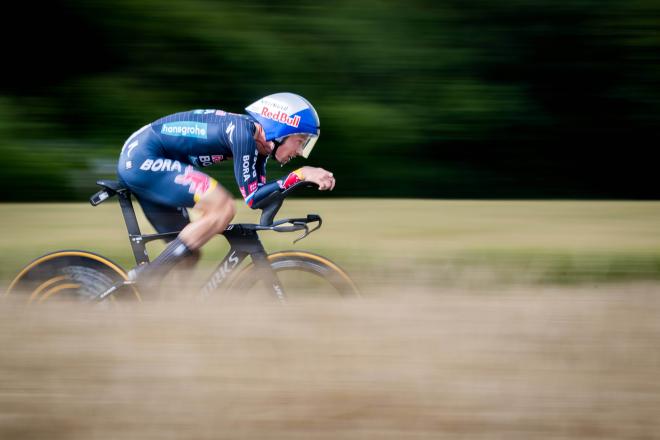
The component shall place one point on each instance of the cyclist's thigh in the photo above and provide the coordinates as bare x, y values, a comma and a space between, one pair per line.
164, 218
166, 182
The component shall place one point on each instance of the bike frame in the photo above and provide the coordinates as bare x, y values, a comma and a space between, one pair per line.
243, 238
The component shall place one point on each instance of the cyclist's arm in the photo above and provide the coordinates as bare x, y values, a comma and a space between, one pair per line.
250, 170
264, 189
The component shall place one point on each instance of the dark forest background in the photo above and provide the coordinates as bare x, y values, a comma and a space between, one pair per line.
438, 98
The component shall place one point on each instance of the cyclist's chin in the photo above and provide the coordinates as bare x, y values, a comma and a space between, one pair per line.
282, 161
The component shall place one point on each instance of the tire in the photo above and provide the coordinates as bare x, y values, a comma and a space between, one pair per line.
70, 275
303, 275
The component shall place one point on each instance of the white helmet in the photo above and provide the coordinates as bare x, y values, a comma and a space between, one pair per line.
286, 114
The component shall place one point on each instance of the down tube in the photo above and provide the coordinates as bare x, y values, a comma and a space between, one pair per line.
233, 258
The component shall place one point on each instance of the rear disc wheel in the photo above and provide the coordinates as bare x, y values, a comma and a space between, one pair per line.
78, 276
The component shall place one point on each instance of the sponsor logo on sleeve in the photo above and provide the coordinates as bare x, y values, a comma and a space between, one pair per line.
246, 167
205, 161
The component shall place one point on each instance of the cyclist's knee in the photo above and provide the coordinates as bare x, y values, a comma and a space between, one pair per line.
214, 200
223, 216
218, 205
229, 208
224, 208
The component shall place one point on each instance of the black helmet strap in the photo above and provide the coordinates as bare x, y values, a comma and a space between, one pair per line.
277, 144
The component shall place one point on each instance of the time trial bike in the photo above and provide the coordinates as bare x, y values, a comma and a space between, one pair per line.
87, 276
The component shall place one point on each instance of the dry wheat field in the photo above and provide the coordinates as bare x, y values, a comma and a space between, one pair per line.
498, 320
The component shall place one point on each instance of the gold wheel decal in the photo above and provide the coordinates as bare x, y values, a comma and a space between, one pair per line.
56, 289
54, 255
311, 256
320, 259
46, 284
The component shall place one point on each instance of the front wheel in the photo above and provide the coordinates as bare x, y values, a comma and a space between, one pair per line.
303, 275
70, 275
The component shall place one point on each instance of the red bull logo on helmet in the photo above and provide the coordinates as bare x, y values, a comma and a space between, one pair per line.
280, 116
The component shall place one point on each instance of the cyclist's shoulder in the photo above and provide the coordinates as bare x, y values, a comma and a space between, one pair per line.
209, 116
240, 131
198, 115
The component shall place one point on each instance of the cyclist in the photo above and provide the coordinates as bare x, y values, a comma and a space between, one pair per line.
159, 163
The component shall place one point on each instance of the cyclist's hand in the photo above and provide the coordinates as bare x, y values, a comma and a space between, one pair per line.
323, 178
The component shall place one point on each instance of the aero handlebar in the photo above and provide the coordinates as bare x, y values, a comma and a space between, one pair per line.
272, 203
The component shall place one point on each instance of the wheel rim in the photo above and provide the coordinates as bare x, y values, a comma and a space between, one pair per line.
78, 274
301, 274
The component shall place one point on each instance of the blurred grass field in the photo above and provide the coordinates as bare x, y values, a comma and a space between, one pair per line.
482, 320
429, 242
542, 363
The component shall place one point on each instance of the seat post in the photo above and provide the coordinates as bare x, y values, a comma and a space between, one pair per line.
133, 228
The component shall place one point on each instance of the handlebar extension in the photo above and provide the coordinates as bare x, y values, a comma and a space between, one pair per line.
272, 203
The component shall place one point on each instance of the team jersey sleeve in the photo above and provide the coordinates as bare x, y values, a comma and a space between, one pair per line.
250, 169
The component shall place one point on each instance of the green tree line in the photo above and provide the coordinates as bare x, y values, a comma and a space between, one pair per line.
416, 98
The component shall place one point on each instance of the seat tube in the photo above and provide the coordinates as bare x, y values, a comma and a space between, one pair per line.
133, 228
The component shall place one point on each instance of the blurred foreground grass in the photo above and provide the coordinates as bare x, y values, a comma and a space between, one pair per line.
534, 363
424, 241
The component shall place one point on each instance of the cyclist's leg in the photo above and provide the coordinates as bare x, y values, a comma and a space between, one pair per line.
217, 209
168, 219
175, 184
194, 189
164, 218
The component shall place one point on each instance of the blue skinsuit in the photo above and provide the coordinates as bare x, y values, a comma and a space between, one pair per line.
159, 163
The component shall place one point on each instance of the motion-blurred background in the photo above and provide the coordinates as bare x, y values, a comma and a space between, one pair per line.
442, 98
481, 319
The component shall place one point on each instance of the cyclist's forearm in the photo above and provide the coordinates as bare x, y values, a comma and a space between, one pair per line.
264, 190
293, 178
261, 193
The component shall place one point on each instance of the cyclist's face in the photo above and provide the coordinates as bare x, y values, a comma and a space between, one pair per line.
290, 148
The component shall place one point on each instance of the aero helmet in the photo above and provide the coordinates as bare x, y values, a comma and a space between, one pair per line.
286, 114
